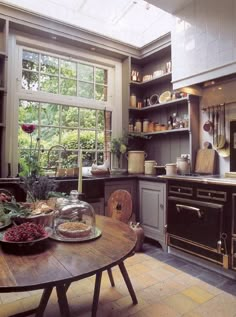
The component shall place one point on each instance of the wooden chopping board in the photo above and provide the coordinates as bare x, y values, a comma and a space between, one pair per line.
205, 161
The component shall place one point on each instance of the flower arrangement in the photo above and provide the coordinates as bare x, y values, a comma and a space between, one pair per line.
119, 147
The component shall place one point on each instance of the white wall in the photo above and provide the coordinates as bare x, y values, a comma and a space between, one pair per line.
204, 42
224, 93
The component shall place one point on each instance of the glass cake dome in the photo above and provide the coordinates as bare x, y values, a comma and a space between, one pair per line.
75, 220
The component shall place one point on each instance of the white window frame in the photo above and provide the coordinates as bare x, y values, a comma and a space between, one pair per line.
16, 45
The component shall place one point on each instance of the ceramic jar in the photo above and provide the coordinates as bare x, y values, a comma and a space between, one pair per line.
149, 167
171, 169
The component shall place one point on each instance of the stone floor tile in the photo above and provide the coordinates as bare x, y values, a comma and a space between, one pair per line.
160, 274
10, 297
229, 286
213, 278
180, 303
168, 287
222, 305
176, 262
192, 269
109, 295
160, 309
127, 308
185, 279
198, 294
192, 314
11, 308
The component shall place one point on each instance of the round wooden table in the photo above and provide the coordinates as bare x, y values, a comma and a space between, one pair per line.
50, 263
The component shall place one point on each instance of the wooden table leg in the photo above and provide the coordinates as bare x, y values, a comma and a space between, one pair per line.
62, 300
128, 282
109, 271
39, 311
96, 293
43, 302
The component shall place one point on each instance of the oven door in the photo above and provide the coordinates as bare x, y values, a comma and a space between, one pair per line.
197, 221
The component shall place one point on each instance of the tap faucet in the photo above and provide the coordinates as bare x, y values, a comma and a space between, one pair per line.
57, 146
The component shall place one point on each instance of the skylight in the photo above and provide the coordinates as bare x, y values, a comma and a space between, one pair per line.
133, 22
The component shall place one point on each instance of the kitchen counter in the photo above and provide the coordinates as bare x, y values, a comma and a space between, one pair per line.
204, 179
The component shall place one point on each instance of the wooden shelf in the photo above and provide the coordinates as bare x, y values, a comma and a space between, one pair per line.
159, 105
163, 78
141, 134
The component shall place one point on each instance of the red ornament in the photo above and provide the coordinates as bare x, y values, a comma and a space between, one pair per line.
28, 128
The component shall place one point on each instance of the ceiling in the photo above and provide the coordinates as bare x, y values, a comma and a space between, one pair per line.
133, 22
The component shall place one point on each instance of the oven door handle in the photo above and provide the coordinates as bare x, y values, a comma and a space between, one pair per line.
197, 210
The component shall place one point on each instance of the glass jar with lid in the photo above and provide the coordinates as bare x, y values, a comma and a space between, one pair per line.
138, 125
145, 125
75, 219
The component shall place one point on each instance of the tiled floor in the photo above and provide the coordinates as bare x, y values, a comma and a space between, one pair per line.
166, 286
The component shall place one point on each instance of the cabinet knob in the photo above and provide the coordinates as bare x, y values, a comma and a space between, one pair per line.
161, 206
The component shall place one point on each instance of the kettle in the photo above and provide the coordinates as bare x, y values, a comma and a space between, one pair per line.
183, 165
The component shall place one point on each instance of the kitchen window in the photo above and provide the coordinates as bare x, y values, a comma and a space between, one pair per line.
46, 73
79, 121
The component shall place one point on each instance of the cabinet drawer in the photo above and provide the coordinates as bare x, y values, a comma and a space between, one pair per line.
181, 190
212, 194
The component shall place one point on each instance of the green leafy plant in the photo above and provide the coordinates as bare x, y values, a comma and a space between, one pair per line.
15, 209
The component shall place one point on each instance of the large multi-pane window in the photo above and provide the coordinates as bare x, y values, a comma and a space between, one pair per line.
63, 129
55, 75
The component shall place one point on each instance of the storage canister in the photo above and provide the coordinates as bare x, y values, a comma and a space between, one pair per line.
136, 162
171, 169
138, 125
145, 125
151, 127
149, 167
133, 101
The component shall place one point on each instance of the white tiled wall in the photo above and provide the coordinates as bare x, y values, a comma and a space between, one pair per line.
204, 41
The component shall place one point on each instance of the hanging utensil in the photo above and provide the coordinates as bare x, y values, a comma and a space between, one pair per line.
221, 136
208, 124
213, 123
225, 151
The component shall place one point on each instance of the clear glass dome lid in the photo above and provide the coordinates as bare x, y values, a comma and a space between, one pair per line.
76, 219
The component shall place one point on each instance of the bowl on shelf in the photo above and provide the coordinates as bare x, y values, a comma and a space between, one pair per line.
165, 96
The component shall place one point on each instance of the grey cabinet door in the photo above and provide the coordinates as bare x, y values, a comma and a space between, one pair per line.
152, 204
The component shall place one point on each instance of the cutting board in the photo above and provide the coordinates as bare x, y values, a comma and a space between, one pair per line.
205, 161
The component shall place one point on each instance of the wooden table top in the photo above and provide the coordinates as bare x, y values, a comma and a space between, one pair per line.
50, 262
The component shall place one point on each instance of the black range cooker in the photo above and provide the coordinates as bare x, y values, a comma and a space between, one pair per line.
199, 219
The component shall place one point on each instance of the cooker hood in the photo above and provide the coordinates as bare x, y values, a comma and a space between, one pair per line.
198, 88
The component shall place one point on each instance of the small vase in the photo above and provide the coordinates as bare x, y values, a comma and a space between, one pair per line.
116, 162
116, 166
